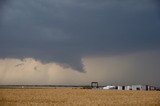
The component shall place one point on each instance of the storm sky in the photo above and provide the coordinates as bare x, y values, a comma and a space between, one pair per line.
78, 41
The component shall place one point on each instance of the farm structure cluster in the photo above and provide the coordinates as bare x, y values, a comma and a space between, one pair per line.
132, 87
128, 87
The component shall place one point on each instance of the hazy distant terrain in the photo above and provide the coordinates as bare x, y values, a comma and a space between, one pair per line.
76, 96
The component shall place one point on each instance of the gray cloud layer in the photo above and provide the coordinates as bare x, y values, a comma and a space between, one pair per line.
67, 31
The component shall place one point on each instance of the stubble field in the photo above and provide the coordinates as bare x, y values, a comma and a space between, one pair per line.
73, 97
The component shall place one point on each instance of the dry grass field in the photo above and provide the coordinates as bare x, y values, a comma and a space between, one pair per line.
74, 97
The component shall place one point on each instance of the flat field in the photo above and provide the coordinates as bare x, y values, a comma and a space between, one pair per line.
74, 97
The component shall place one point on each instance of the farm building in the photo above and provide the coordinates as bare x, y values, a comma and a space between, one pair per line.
110, 87
120, 88
138, 87
151, 88
128, 87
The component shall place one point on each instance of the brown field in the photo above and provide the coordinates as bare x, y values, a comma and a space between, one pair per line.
73, 96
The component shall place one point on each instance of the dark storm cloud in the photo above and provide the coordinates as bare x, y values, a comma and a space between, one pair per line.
157, 2
66, 31
2, 2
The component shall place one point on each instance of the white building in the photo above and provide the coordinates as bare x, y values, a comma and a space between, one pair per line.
120, 88
109, 87
128, 87
139, 87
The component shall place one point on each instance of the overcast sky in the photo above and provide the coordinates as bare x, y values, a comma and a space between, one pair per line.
110, 41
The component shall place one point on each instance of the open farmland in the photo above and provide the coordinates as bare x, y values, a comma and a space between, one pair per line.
75, 96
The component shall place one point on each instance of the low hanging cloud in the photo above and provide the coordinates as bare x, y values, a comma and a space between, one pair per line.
64, 32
